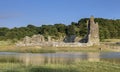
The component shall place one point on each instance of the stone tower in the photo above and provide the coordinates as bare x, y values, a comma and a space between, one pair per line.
93, 32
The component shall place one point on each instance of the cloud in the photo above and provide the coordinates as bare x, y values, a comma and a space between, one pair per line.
4, 17
8, 16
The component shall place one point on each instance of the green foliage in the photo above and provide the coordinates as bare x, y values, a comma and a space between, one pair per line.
108, 28
3, 32
71, 30
83, 27
60, 28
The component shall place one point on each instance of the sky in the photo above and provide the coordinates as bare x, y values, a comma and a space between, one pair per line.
20, 13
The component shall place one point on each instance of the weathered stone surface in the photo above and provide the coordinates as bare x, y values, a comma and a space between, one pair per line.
32, 41
70, 39
37, 38
93, 33
49, 39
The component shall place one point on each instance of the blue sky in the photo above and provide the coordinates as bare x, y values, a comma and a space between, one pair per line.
17, 13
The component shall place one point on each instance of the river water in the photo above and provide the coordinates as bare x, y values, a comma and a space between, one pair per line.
60, 57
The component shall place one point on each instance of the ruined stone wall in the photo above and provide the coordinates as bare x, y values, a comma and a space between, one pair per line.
32, 41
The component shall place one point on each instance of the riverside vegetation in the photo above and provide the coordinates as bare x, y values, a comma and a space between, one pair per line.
109, 29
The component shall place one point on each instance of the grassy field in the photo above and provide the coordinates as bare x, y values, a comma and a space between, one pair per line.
37, 49
111, 40
83, 66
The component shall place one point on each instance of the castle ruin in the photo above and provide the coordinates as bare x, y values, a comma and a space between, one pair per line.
91, 38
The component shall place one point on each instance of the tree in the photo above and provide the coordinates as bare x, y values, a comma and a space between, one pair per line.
60, 27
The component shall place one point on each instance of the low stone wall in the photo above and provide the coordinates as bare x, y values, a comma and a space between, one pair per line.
70, 44
55, 44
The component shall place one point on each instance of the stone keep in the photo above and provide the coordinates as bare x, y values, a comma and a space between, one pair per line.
93, 32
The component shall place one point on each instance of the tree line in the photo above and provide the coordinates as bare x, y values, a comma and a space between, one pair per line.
108, 28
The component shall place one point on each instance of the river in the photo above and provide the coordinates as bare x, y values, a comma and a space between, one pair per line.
59, 57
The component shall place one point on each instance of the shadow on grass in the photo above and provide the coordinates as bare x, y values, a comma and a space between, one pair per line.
11, 71
44, 69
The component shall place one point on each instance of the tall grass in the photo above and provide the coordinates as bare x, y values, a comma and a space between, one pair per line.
83, 66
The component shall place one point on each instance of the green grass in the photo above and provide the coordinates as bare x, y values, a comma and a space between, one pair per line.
53, 49
83, 66
111, 40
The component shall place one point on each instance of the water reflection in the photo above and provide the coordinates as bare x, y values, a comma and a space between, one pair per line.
55, 58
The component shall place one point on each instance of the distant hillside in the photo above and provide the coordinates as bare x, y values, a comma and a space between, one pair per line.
108, 29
